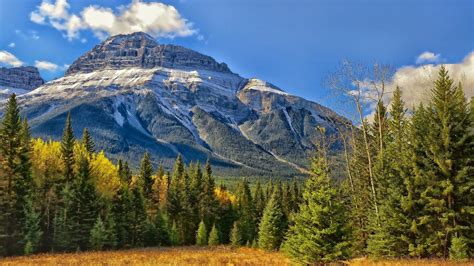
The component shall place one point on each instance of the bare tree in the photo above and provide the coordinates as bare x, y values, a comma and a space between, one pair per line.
364, 86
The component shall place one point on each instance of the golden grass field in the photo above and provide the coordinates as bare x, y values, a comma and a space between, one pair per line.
222, 255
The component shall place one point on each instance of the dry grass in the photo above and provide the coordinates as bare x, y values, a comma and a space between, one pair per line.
157, 256
222, 255
405, 262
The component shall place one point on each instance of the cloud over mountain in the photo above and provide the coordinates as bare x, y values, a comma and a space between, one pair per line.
7, 58
154, 18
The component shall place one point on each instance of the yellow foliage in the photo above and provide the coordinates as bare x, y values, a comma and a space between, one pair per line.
105, 174
46, 161
224, 196
48, 166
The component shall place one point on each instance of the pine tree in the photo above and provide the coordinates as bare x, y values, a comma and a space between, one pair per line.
175, 238
139, 217
122, 212
459, 249
296, 197
110, 229
11, 177
31, 231
83, 213
208, 203
88, 142
61, 236
124, 172
193, 196
150, 236
236, 238
319, 233
178, 202
162, 229
201, 235
214, 236
415, 185
259, 202
67, 150
146, 174
448, 167
98, 235
246, 212
389, 237
273, 224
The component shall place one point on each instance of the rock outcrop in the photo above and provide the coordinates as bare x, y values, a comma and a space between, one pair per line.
141, 50
27, 78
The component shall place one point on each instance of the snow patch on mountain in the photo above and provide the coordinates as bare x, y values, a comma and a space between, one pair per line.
260, 85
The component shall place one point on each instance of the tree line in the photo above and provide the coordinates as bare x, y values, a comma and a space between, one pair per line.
64, 196
409, 188
408, 192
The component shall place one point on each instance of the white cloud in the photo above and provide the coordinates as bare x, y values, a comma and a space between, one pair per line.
9, 59
11, 45
45, 65
428, 57
417, 81
154, 18
56, 11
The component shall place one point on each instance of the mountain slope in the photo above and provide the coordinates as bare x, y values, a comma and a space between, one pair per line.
136, 95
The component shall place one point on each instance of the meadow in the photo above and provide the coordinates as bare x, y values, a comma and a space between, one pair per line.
192, 255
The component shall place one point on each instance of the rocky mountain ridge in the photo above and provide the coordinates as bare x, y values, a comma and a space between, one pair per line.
136, 95
19, 80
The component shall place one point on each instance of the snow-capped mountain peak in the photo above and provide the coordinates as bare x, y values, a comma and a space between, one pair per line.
137, 95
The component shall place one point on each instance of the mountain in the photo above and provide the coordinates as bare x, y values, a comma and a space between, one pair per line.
18, 80
137, 95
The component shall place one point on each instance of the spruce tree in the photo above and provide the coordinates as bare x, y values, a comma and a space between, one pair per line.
122, 213
236, 235
459, 249
246, 212
88, 142
162, 229
31, 231
208, 203
214, 236
67, 150
150, 236
273, 224
11, 177
110, 229
201, 234
390, 234
124, 172
448, 167
146, 174
259, 201
139, 217
175, 238
84, 205
178, 204
61, 225
319, 233
98, 235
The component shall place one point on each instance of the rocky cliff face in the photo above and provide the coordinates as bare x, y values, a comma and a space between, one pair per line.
136, 95
141, 50
18, 80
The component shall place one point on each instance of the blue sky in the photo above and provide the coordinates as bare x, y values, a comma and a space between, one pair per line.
293, 44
